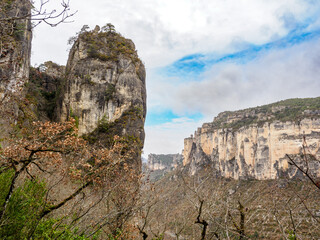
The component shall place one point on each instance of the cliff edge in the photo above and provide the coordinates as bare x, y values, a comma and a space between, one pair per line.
253, 143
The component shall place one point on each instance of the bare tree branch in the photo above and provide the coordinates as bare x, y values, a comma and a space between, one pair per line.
203, 222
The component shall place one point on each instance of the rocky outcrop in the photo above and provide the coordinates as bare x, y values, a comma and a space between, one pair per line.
253, 143
15, 51
15, 41
105, 80
166, 162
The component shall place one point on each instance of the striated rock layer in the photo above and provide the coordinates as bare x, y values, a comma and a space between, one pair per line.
253, 143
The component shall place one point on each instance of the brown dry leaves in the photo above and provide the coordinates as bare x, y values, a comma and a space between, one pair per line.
49, 144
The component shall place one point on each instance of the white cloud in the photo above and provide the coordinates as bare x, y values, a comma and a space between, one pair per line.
165, 30
279, 74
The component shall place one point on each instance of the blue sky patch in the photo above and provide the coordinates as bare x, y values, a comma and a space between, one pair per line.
188, 66
192, 66
155, 118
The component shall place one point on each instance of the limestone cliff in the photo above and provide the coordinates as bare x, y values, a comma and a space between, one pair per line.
253, 143
15, 50
104, 87
15, 41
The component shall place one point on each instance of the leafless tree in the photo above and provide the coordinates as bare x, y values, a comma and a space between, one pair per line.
304, 167
39, 12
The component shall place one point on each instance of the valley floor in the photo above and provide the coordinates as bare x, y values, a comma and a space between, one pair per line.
203, 206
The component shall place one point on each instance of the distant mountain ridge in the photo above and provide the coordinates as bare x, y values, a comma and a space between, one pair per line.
253, 143
164, 161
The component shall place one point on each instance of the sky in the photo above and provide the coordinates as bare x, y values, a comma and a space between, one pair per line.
203, 57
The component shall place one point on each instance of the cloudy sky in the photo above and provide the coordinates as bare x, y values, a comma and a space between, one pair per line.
203, 56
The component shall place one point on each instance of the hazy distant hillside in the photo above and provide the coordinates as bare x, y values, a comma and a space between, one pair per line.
160, 164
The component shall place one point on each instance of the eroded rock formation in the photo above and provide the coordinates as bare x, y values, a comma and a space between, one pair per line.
105, 81
253, 143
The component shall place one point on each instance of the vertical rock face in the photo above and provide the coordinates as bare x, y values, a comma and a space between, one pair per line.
15, 39
104, 88
15, 51
253, 143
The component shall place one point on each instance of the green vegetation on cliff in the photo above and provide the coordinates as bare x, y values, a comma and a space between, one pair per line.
287, 110
106, 44
106, 130
42, 92
11, 31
